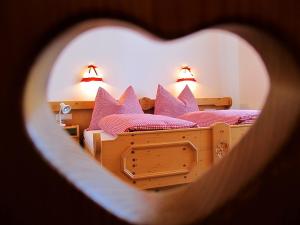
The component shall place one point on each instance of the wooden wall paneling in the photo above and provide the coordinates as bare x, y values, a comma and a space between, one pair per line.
34, 192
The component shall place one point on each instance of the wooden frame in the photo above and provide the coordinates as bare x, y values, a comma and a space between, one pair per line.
208, 145
82, 110
143, 158
264, 164
70, 130
147, 104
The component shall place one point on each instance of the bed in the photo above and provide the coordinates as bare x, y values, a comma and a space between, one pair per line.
164, 158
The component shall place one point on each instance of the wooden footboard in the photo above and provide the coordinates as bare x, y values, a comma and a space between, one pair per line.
225, 137
153, 159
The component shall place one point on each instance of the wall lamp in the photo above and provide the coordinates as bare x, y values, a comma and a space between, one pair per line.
91, 73
185, 74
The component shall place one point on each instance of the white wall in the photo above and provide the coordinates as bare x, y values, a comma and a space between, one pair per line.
228, 67
253, 78
221, 62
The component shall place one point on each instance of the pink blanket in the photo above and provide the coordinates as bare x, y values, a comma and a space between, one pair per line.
231, 117
117, 123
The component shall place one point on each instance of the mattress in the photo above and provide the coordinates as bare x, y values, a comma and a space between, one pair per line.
88, 138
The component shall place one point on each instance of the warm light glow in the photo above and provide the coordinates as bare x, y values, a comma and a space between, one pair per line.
179, 86
88, 90
185, 74
91, 73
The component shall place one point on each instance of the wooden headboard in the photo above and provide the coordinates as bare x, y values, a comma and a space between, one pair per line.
82, 110
148, 104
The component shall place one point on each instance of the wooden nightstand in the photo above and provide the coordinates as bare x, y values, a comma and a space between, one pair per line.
73, 131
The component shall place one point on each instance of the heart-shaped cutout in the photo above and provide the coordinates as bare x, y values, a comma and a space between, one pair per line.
124, 57
217, 185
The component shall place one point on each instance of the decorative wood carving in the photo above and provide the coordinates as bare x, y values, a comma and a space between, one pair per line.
222, 149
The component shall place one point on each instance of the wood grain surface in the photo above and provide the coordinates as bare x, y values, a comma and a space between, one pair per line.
82, 110
34, 191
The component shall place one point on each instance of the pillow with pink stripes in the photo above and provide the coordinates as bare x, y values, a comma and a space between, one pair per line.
166, 104
106, 105
119, 123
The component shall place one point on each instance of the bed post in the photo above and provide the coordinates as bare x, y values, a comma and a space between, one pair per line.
97, 146
221, 137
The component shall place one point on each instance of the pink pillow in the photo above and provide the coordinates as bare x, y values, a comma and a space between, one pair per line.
119, 123
106, 105
166, 104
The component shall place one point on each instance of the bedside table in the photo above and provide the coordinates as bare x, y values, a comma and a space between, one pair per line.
73, 131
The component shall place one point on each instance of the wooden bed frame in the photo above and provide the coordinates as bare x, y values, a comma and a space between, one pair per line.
156, 159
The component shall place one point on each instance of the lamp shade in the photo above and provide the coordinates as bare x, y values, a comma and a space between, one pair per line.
185, 74
91, 73
65, 108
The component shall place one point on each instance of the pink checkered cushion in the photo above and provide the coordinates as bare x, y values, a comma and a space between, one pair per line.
231, 117
106, 105
118, 123
166, 104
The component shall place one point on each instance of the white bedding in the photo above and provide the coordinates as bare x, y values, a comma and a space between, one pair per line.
88, 138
